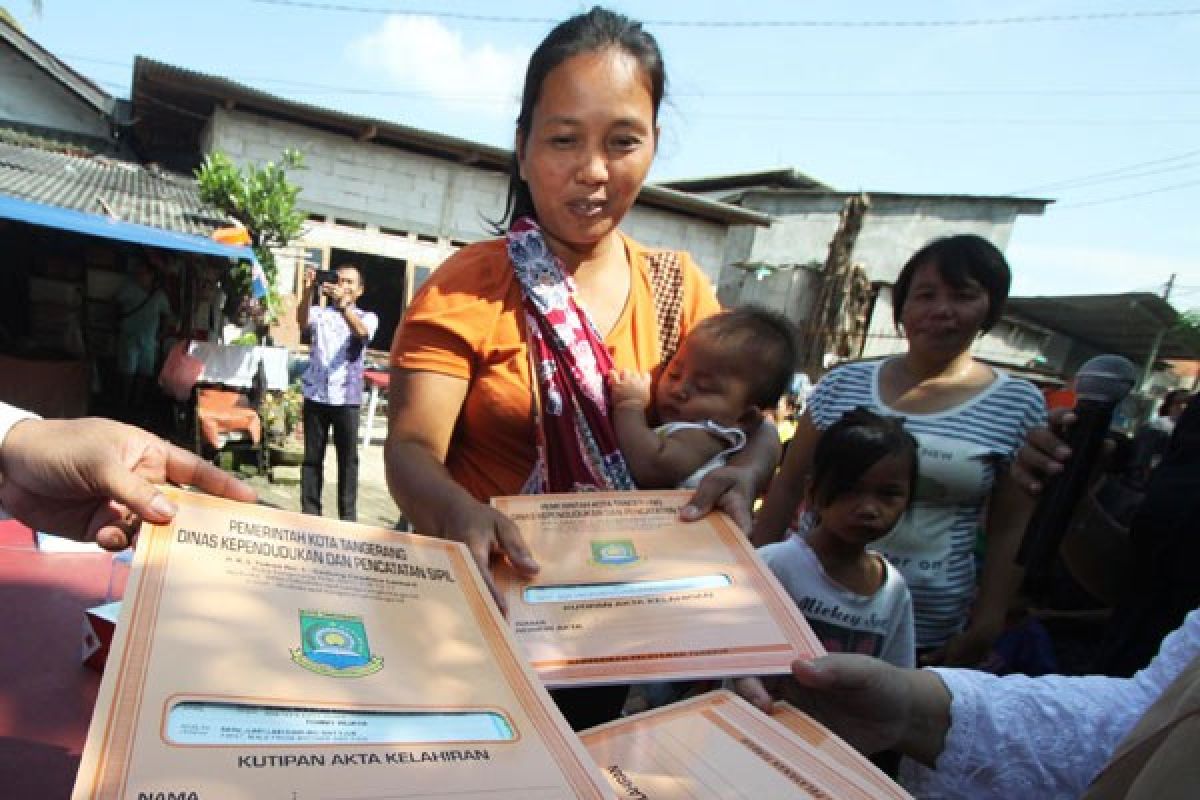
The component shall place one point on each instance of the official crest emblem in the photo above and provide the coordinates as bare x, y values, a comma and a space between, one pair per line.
614, 552
335, 645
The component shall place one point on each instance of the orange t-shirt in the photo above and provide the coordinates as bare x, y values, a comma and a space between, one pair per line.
467, 322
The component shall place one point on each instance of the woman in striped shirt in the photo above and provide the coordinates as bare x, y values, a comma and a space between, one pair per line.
969, 420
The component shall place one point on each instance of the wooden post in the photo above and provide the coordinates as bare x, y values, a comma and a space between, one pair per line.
822, 332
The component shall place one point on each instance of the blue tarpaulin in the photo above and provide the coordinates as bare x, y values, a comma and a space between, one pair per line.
99, 225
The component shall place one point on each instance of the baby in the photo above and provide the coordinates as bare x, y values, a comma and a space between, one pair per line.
709, 397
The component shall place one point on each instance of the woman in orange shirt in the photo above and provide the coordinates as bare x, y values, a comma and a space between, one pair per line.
466, 422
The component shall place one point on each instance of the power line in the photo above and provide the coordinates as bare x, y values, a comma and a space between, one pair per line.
1133, 176
1106, 173
1118, 198
1128, 176
701, 94
295, 87
1094, 122
1027, 19
945, 93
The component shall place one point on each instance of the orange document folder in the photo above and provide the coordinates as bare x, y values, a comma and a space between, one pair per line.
266, 654
719, 746
627, 592
844, 757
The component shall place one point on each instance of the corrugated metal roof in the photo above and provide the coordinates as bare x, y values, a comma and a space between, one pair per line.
95, 184
1025, 205
784, 178
1125, 324
99, 225
793, 183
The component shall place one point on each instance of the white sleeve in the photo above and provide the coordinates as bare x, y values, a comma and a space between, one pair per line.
1043, 737
901, 645
9, 416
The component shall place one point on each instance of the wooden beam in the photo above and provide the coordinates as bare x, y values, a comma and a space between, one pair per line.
368, 133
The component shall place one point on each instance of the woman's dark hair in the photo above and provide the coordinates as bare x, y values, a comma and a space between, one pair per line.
1169, 399
959, 259
854, 444
598, 29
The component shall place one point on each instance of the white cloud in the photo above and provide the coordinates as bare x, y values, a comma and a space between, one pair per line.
1063, 269
421, 54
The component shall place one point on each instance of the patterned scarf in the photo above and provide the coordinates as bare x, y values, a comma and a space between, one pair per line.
576, 443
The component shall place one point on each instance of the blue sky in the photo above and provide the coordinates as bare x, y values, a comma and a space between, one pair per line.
1100, 114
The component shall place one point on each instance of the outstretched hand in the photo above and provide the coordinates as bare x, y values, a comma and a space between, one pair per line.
490, 536
873, 705
93, 479
728, 489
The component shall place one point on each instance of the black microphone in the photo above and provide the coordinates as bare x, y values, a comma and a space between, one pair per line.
1101, 383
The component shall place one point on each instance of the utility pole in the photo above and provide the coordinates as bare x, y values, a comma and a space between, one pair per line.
1158, 339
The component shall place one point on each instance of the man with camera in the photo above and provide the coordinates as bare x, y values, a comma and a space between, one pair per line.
338, 333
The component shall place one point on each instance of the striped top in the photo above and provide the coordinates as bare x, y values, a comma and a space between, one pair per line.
961, 450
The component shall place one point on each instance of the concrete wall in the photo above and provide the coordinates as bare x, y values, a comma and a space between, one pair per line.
399, 195
365, 182
790, 292
893, 229
30, 96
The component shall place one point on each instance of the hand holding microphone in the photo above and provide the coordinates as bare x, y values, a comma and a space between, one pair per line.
1101, 384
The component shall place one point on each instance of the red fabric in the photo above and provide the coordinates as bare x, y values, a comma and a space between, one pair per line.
378, 378
576, 441
15, 535
1059, 398
46, 694
180, 372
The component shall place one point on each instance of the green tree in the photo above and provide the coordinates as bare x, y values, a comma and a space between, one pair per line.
261, 198
1188, 326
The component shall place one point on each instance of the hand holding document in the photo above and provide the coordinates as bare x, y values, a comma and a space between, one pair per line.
265, 654
627, 592
719, 746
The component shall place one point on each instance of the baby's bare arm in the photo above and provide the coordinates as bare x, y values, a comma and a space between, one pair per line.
655, 461
662, 462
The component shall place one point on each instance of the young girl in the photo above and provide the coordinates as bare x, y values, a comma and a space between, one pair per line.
864, 474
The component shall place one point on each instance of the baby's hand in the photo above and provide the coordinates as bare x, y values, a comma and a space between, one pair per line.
629, 388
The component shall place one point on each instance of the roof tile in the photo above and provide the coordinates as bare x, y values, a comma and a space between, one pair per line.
99, 184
